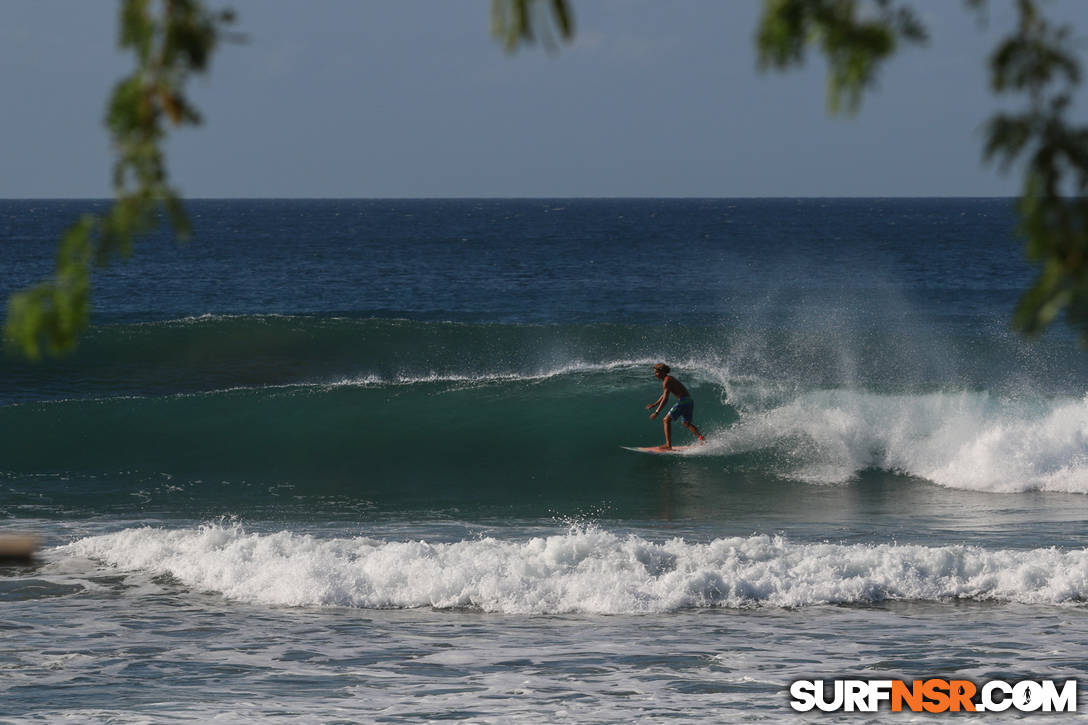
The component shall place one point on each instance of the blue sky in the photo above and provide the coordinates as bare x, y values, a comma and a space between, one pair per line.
407, 98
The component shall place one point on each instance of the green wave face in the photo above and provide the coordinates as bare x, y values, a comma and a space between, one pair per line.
333, 417
492, 443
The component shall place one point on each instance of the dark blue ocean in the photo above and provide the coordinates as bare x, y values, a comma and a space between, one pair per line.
368, 461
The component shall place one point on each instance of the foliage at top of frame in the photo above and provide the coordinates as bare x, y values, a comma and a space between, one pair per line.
170, 40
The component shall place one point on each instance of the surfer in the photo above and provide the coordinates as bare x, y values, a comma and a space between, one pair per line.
684, 409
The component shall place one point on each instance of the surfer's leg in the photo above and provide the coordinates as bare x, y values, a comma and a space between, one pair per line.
695, 431
668, 432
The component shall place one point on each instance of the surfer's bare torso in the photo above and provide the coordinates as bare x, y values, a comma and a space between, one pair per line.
675, 387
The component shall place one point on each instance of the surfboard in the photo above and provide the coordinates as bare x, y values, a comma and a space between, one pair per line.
662, 450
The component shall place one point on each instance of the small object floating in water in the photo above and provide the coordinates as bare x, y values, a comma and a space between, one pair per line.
17, 548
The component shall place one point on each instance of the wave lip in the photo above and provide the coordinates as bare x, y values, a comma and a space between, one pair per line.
584, 570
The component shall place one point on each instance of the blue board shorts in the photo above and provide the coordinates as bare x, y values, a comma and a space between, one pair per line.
683, 411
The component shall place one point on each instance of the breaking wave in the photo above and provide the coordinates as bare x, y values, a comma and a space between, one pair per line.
587, 570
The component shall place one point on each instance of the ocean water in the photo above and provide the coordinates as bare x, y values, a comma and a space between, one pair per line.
363, 461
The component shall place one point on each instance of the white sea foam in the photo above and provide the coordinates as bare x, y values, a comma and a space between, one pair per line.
961, 439
211, 317
450, 377
584, 570
574, 367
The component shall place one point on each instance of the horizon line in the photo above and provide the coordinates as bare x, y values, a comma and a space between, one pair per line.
515, 198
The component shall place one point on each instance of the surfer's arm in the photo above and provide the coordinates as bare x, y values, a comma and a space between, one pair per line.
660, 402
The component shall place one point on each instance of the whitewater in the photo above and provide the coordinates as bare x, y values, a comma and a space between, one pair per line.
583, 571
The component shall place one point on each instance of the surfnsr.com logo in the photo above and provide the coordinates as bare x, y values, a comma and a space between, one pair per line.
934, 695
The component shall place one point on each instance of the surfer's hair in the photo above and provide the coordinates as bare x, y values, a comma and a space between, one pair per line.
662, 367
